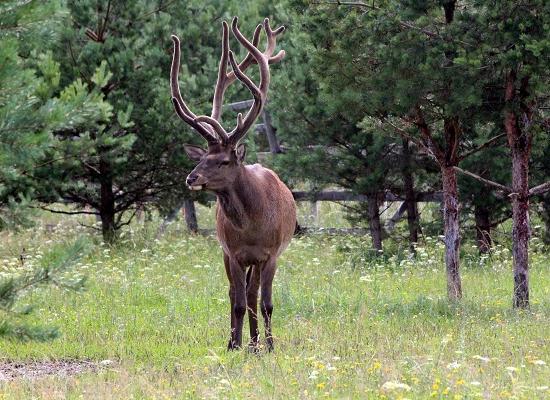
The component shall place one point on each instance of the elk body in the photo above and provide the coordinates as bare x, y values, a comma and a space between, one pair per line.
256, 213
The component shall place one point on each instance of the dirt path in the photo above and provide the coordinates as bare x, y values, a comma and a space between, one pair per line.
10, 370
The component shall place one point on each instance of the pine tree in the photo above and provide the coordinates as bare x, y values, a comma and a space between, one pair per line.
320, 107
29, 112
134, 159
13, 286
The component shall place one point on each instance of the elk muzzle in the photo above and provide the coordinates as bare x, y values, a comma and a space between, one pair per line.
195, 181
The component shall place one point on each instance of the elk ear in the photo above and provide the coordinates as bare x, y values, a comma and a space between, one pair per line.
240, 152
195, 153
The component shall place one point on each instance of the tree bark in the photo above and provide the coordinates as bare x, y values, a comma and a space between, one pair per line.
545, 215
375, 228
520, 147
107, 203
483, 228
410, 196
190, 215
520, 231
452, 232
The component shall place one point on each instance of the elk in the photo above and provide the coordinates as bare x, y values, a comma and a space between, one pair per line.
256, 213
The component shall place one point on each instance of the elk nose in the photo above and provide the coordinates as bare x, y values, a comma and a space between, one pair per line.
191, 179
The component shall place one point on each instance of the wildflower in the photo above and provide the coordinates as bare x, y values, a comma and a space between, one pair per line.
539, 362
388, 386
320, 385
481, 358
314, 375
453, 365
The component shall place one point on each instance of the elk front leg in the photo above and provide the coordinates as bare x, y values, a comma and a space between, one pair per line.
238, 279
231, 296
252, 286
266, 304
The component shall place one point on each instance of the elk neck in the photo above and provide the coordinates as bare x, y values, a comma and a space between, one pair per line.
238, 200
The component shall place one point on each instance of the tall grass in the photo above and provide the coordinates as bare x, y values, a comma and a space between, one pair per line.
347, 323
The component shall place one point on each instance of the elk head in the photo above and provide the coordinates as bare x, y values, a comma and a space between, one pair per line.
220, 163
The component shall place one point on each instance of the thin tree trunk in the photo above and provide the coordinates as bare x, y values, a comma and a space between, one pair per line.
172, 215
520, 235
410, 196
452, 233
107, 203
190, 215
483, 228
545, 215
520, 147
375, 228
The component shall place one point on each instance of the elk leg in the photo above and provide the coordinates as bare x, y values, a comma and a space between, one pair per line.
266, 304
231, 296
252, 286
238, 277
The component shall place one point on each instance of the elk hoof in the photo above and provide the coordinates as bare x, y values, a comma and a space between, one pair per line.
232, 345
253, 348
269, 344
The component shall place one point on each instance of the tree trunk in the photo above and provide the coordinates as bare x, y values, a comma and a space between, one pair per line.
520, 147
545, 215
410, 196
483, 228
107, 203
452, 233
375, 228
190, 216
520, 230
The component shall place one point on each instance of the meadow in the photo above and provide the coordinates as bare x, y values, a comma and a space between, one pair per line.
347, 324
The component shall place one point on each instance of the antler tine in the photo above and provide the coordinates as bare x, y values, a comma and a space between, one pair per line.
181, 108
259, 93
272, 40
244, 125
225, 79
248, 60
221, 84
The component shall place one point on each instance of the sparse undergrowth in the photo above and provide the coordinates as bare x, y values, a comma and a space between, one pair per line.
347, 324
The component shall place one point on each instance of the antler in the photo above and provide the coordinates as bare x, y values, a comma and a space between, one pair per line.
254, 56
181, 108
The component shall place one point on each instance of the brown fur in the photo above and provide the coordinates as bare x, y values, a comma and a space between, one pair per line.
255, 221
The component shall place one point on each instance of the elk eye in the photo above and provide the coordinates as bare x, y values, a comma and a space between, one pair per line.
225, 162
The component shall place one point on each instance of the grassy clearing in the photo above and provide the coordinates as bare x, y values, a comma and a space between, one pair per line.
347, 325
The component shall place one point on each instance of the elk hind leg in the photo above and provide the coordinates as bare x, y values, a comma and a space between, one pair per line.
231, 298
266, 303
252, 286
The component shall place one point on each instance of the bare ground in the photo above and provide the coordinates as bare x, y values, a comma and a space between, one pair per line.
10, 370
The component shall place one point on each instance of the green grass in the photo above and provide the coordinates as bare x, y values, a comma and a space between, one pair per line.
347, 324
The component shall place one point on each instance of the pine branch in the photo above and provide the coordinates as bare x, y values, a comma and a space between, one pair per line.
488, 143
496, 185
539, 189
68, 212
